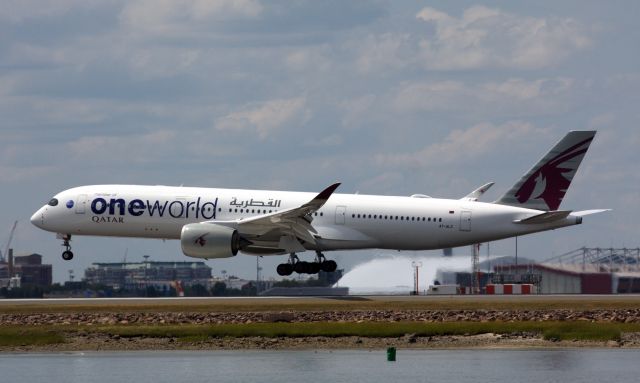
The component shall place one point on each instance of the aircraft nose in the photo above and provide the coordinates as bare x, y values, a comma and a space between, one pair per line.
37, 219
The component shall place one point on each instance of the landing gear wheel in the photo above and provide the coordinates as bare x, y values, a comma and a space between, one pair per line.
314, 268
325, 265
329, 266
284, 269
301, 267
67, 255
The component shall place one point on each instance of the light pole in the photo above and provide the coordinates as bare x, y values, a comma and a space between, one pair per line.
146, 278
416, 267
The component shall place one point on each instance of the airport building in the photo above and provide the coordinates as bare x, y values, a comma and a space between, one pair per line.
25, 269
582, 271
136, 275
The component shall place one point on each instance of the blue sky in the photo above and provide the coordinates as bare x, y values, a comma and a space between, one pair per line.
388, 97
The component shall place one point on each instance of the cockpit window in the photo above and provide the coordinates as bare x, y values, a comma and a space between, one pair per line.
53, 202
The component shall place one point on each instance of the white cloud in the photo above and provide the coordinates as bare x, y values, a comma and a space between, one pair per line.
463, 145
357, 110
139, 148
326, 141
168, 17
387, 51
513, 96
309, 59
485, 37
480, 38
18, 11
267, 117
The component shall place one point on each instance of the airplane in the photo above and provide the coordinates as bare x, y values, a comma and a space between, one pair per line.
216, 223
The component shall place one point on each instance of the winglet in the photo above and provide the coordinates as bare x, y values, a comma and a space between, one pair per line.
319, 200
476, 194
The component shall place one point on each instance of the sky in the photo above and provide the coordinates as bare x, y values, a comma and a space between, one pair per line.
388, 97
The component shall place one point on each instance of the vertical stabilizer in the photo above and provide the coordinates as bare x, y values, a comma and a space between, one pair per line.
544, 186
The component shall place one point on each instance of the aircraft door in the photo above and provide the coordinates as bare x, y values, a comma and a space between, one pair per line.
465, 220
81, 204
341, 214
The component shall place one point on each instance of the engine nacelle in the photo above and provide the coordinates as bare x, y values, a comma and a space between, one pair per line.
208, 240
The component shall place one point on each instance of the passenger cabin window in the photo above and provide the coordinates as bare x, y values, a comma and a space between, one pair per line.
53, 202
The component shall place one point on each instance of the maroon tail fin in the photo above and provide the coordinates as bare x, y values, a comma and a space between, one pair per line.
544, 186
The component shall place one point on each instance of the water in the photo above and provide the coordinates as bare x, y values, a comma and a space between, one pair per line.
394, 274
534, 366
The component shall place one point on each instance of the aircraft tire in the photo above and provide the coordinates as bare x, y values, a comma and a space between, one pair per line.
329, 266
314, 268
301, 267
67, 255
284, 269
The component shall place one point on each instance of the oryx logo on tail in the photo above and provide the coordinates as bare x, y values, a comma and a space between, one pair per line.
548, 182
545, 185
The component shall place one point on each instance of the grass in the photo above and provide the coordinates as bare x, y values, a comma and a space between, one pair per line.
107, 305
28, 336
549, 330
585, 331
12, 336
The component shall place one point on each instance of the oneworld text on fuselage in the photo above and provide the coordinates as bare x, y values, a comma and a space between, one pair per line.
179, 208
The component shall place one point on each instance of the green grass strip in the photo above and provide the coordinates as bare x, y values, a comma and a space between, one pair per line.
12, 336
549, 330
28, 336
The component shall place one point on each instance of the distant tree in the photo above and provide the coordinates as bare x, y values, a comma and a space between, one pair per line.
196, 290
249, 290
151, 291
311, 282
219, 289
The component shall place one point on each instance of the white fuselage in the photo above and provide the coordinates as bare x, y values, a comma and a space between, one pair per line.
346, 221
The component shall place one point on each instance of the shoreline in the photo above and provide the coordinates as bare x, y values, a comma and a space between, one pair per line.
110, 343
318, 323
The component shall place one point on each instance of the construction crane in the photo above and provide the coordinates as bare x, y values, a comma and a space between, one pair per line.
6, 247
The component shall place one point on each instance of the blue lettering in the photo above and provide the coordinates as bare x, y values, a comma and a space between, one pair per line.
157, 206
98, 209
189, 205
136, 207
112, 206
208, 210
174, 211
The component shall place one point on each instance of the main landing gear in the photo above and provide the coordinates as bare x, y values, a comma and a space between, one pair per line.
67, 255
302, 267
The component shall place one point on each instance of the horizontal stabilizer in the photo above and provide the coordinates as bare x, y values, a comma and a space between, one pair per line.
589, 212
546, 217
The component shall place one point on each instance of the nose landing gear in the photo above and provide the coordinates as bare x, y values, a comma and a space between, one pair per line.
302, 267
67, 255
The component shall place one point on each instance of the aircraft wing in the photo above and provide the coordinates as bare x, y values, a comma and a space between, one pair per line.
291, 225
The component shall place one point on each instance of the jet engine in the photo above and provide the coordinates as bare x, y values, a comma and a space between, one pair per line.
208, 240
